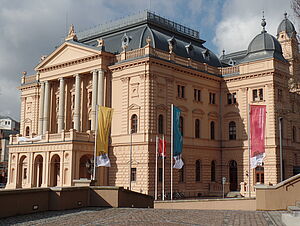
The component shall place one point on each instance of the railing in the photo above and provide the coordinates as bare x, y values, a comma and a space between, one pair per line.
230, 70
168, 56
57, 137
28, 79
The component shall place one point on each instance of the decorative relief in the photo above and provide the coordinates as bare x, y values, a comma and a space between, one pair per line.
125, 79
161, 88
134, 91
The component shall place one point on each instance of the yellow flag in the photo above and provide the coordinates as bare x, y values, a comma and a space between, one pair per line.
104, 123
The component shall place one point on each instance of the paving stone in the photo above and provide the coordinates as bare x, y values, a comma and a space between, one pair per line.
134, 216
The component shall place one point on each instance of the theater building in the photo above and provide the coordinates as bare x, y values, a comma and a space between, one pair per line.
139, 66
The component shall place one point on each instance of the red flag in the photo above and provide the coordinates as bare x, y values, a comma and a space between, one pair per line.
257, 125
162, 147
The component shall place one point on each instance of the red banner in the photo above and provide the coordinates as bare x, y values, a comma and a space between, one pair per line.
257, 126
162, 147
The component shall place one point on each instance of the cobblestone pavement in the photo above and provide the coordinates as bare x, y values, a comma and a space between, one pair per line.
133, 216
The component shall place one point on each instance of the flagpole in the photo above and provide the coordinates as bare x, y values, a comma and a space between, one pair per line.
96, 133
249, 152
163, 168
156, 146
172, 134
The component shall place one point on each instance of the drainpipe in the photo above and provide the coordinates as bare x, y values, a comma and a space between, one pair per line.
280, 148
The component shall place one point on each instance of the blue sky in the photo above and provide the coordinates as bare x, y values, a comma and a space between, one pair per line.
32, 28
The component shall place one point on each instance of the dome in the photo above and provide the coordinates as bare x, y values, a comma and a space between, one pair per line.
287, 26
264, 46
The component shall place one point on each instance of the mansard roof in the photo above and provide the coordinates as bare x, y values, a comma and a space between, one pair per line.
134, 30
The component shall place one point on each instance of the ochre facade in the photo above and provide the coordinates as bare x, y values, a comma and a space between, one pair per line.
59, 103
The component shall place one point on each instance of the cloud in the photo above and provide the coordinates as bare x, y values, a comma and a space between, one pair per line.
240, 22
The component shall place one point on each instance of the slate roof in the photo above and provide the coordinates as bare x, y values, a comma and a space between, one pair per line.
137, 28
287, 26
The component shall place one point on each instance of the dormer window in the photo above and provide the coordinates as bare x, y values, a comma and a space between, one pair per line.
206, 54
125, 41
189, 48
172, 44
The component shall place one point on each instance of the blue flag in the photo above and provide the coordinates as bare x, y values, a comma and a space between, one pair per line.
177, 137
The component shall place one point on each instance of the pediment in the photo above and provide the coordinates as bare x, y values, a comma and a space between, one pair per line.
183, 109
198, 111
161, 107
67, 52
213, 114
133, 106
232, 114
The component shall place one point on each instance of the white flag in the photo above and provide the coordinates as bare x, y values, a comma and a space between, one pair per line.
178, 162
102, 160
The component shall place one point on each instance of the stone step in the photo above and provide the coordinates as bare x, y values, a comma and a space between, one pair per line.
234, 194
298, 204
294, 211
290, 220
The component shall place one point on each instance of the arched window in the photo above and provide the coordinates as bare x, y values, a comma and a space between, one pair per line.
160, 124
27, 131
198, 170
134, 123
232, 131
212, 130
213, 171
181, 124
294, 134
197, 128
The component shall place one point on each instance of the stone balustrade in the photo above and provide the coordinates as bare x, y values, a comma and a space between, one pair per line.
65, 136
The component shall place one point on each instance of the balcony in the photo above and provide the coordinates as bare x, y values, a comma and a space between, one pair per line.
64, 136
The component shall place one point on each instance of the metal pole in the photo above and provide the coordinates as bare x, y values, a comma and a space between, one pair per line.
172, 106
280, 148
223, 190
163, 168
130, 160
249, 153
156, 138
96, 133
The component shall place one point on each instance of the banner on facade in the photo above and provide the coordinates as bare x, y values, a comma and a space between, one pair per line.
103, 128
257, 128
177, 138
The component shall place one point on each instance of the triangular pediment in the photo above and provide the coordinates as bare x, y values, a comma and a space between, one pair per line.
67, 52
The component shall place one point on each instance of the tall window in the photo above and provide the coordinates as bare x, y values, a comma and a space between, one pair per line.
257, 94
134, 123
212, 98
181, 124
133, 174
212, 130
259, 174
213, 171
180, 91
198, 170
231, 98
27, 132
160, 124
232, 131
197, 95
197, 128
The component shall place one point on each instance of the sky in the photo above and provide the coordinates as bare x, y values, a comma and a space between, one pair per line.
32, 28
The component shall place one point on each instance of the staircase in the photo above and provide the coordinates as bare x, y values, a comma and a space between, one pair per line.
293, 217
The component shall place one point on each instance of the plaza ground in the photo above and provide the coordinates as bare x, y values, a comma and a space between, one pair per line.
134, 216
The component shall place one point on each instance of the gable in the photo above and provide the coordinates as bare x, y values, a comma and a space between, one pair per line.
65, 53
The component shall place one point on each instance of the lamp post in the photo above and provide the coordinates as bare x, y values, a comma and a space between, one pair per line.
280, 148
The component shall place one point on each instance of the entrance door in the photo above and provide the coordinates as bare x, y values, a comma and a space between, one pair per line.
233, 175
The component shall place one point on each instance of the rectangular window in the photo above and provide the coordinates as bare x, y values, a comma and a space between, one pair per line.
212, 98
133, 174
25, 173
180, 91
197, 95
257, 94
231, 98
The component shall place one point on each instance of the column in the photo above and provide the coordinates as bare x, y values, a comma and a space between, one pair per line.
94, 99
61, 105
46, 107
100, 100
41, 108
77, 103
